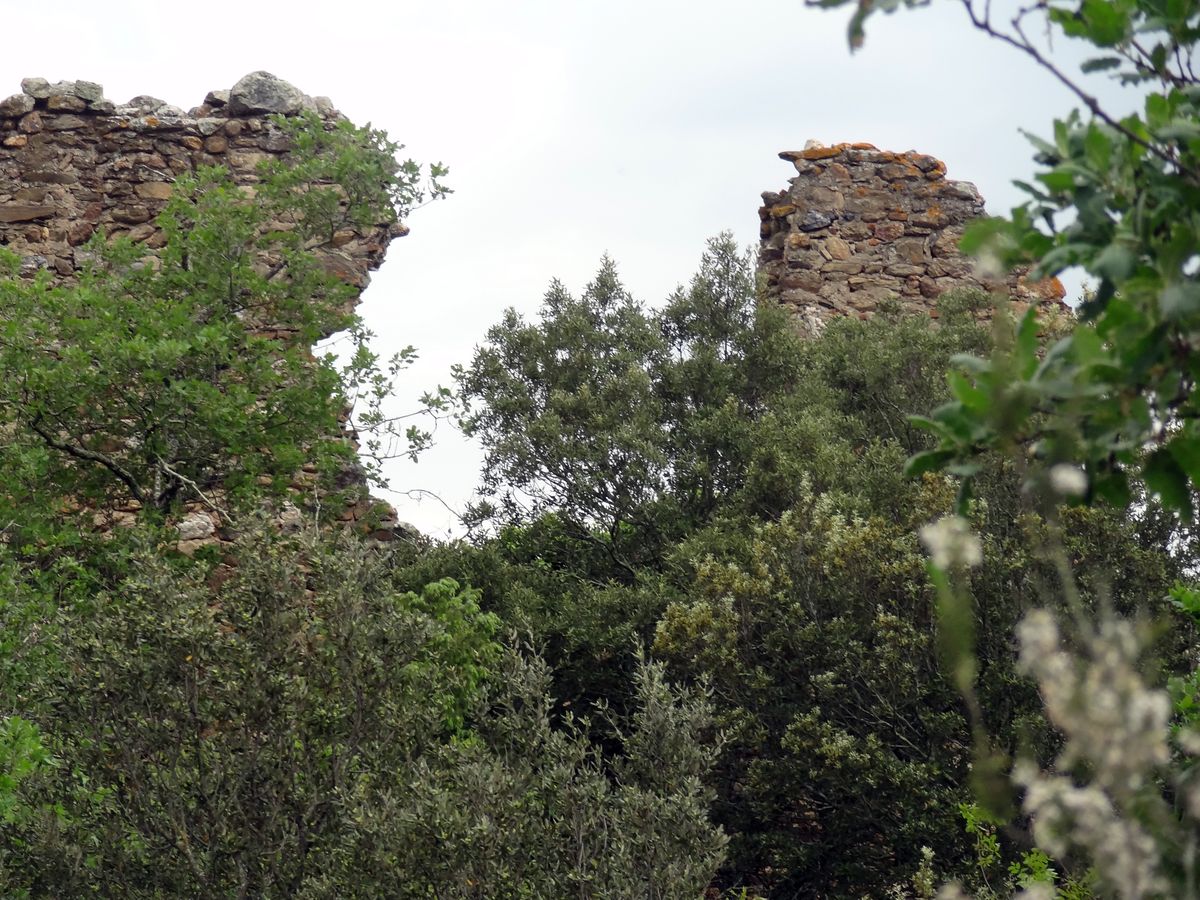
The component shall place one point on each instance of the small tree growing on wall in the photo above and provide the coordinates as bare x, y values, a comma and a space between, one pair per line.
158, 379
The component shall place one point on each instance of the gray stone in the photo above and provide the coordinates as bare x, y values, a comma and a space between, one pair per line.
407, 531
290, 518
196, 526
33, 263
16, 105
144, 103
38, 88
325, 107
63, 102
64, 89
89, 91
815, 221
262, 92
65, 123
167, 111
209, 126
216, 98
274, 141
846, 267
963, 190
103, 107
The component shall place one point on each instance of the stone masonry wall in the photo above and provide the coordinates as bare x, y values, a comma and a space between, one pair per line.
73, 162
858, 225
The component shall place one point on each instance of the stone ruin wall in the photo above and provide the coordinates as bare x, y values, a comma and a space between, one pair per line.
73, 162
859, 225
855, 227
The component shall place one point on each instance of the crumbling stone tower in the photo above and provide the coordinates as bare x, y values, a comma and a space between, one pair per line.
73, 163
858, 225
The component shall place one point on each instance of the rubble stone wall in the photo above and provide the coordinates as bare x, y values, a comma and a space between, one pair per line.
73, 162
859, 225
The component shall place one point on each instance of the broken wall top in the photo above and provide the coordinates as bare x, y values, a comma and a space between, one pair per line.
73, 162
859, 225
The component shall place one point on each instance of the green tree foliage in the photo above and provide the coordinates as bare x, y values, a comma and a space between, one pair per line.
280, 716
1112, 400
1119, 197
304, 728
618, 420
773, 557
159, 379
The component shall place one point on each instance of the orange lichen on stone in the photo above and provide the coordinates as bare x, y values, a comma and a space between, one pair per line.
821, 152
1045, 289
784, 209
932, 215
881, 224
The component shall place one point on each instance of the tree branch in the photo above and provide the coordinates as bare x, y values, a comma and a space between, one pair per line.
983, 23
82, 453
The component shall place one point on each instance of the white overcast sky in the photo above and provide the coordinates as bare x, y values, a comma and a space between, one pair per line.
571, 128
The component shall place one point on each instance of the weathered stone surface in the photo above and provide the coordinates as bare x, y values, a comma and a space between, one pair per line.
196, 526
89, 90
18, 212
262, 92
38, 88
815, 221
837, 248
153, 190
16, 105
859, 225
65, 122
145, 103
65, 103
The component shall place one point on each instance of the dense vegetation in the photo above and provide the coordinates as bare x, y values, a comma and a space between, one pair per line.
692, 645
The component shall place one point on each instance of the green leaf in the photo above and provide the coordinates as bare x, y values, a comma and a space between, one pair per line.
1179, 300
1057, 180
1100, 64
1115, 262
927, 461
1112, 487
1158, 111
1107, 23
970, 396
1098, 145
983, 233
1178, 130
1039, 144
1027, 343
1166, 478
1185, 448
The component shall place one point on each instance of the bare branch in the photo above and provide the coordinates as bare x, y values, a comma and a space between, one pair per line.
183, 479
